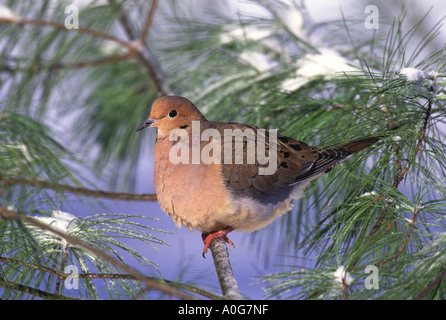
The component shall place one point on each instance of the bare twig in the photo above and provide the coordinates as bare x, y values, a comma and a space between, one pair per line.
123, 19
155, 76
74, 65
56, 25
92, 63
35, 292
78, 190
225, 275
130, 277
31, 265
149, 20
397, 178
64, 257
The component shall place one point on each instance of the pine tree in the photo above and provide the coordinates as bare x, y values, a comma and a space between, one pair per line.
76, 80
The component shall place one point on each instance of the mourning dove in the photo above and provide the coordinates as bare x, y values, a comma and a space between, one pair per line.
204, 180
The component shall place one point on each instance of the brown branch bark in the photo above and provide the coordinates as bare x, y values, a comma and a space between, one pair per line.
63, 276
78, 190
225, 275
35, 292
31, 265
420, 140
149, 20
64, 256
406, 240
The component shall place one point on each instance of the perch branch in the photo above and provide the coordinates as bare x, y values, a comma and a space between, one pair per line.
225, 275
399, 176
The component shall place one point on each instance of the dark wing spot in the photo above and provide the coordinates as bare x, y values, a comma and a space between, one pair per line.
283, 139
286, 154
184, 127
296, 147
283, 164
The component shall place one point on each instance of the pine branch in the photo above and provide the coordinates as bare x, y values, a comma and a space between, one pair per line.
62, 276
64, 256
12, 215
32, 266
78, 190
85, 64
406, 240
74, 65
35, 292
431, 286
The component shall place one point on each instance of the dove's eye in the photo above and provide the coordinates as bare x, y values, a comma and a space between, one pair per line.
172, 113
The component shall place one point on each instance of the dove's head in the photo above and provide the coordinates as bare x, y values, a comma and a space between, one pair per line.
172, 112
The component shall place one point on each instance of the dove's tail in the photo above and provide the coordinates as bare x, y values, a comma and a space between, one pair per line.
359, 145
